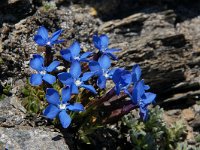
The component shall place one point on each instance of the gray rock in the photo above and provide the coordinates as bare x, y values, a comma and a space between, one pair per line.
11, 112
31, 139
15, 136
196, 108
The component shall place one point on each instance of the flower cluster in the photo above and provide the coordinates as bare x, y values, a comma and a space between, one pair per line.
98, 68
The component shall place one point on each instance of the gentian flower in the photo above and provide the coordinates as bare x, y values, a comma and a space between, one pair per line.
74, 80
142, 99
73, 53
122, 79
37, 63
101, 43
42, 38
58, 106
136, 74
101, 69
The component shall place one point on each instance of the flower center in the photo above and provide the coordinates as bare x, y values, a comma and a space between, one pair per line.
106, 75
78, 82
43, 72
77, 58
62, 106
140, 102
48, 43
103, 49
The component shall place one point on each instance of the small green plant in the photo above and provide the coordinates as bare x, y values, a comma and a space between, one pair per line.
48, 6
154, 133
33, 99
182, 146
197, 138
6, 91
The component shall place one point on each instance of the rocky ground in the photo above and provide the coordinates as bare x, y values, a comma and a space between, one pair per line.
163, 37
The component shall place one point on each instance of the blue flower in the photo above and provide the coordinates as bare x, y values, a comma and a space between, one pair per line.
73, 53
136, 74
122, 79
37, 63
101, 43
101, 69
58, 106
42, 38
142, 99
74, 80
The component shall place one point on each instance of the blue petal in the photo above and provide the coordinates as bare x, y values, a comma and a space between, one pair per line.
111, 72
89, 87
64, 119
37, 62
104, 41
74, 89
65, 78
49, 78
75, 69
148, 98
138, 91
117, 76
111, 55
117, 89
126, 78
95, 67
66, 94
143, 113
136, 73
52, 66
146, 87
104, 62
36, 79
128, 93
52, 96
112, 50
86, 76
75, 49
96, 41
51, 111
101, 82
66, 54
42, 31
39, 40
55, 36
85, 55
76, 107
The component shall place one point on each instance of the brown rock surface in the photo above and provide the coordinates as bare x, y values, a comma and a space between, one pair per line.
188, 114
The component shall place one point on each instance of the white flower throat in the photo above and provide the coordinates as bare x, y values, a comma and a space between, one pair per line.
106, 75
62, 106
78, 82
48, 43
43, 72
77, 58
